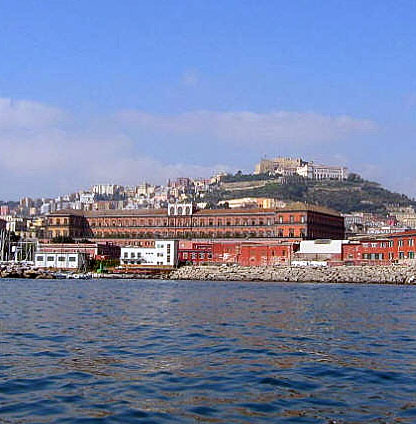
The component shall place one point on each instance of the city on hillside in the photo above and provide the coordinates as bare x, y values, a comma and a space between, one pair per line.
274, 183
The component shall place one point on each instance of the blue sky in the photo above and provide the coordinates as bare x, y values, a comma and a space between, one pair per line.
122, 91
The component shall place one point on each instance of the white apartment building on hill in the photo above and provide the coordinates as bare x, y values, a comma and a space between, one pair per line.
315, 171
106, 189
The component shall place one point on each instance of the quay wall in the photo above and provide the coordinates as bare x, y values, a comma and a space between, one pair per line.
397, 274
393, 274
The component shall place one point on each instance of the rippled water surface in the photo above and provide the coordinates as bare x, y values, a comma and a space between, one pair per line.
162, 351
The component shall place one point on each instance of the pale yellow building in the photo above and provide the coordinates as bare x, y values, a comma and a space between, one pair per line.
253, 202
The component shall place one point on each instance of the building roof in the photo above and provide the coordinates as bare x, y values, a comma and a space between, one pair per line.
125, 212
299, 206
407, 233
235, 211
69, 245
110, 212
66, 212
293, 207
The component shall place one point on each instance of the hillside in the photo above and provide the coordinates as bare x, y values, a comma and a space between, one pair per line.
353, 195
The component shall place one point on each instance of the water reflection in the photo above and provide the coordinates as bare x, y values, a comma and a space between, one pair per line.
154, 351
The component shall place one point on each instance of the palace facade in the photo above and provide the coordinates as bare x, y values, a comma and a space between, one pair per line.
293, 223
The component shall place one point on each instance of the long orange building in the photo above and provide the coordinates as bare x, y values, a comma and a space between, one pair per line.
294, 223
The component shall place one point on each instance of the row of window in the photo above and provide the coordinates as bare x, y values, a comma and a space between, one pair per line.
381, 256
58, 221
52, 258
139, 255
72, 233
132, 255
390, 243
280, 233
210, 223
410, 255
379, 244
218, 223
65, 221
373, 256
138, 262
194, 255
409, 242
207, 255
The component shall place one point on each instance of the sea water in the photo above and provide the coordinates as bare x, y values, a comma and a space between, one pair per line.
108, 351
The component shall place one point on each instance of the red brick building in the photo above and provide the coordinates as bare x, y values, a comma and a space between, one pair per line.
265, 255
391, 248
294, 223
368, 252
251, 253
246, 253
195, 253
404, 245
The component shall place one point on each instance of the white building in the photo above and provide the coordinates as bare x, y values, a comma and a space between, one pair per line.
106, 189
45, 209
321, 247
145, 189
180, 209
87, 197
15, 224
316, 171
318, 252
60, 260
163, 252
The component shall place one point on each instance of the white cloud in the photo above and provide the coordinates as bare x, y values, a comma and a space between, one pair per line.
76, 161
25, 114
251, 128
44, 151
40, 156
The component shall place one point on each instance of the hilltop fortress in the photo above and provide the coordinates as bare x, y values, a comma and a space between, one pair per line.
296, 166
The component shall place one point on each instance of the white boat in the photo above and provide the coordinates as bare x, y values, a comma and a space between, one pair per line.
81, 276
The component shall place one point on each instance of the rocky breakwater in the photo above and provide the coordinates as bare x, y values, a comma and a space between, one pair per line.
397, 274
18, 271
